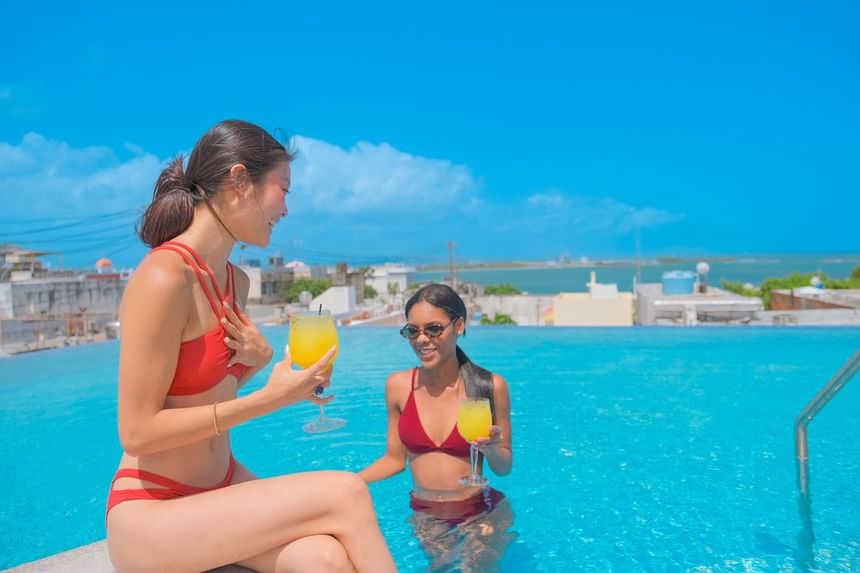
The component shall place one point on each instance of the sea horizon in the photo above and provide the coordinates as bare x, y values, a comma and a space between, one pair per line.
555, 278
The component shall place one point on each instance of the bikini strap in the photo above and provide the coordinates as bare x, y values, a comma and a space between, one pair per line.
166, 482
205, 267
414, 379
191, 263
160, 480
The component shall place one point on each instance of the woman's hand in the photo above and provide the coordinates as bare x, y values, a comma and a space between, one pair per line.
287, 386
489, 444
249, 346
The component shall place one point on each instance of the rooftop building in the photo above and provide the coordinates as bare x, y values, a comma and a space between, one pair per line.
654, 306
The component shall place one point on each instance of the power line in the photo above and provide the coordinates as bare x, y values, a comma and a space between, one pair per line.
93, 222
50, 220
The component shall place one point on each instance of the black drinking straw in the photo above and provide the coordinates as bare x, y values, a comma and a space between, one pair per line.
320, 311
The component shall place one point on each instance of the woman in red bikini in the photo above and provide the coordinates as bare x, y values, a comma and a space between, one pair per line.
464, 527
180, 500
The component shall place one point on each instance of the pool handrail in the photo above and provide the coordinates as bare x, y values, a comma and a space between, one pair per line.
801, 450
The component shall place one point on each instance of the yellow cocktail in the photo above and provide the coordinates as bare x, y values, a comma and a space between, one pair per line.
312, 334
474, 419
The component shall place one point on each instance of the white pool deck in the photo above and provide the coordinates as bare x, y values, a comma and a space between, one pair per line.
91, 558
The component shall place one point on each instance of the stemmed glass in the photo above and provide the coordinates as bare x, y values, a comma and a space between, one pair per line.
312, 334
473, 421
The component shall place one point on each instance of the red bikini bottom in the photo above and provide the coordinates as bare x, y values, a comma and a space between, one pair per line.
169, 489
458, 511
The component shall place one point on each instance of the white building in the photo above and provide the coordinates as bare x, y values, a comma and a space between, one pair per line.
59, 296
653, 306
524, 309
390, 273
340, 300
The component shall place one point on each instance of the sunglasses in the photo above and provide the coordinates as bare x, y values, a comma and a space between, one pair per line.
430, 331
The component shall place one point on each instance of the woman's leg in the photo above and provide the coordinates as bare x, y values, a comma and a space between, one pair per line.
315, 553
246, 520
473, 546
322, 553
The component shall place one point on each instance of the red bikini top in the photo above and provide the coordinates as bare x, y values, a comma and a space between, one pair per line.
417, 441
202, 362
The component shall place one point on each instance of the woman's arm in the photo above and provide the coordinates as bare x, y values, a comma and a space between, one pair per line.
497, 448
154, 312
394, 460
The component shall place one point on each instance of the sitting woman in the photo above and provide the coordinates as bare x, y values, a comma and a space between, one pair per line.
181, 501
461, 526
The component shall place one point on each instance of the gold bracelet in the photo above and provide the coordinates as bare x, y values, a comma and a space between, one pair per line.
215, 418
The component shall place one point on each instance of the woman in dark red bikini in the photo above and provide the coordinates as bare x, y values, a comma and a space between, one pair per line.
180, 501
463, 527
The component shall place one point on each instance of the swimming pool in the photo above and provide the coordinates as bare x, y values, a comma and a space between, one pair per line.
640, 449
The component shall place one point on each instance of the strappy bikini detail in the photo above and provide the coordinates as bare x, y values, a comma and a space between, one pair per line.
202, 362
168, 488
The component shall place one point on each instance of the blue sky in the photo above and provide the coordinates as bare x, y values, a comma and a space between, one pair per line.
521, 130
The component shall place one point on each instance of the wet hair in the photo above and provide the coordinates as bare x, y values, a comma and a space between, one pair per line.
180, 188
477, 381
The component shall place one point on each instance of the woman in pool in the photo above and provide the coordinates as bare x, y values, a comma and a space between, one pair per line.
180, 500
422, 406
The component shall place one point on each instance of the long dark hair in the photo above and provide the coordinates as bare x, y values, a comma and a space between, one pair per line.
179, 188
477, 381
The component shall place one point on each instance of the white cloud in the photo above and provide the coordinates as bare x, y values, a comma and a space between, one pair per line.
551, 197
42, 178
368, 198
370, 178
589, 214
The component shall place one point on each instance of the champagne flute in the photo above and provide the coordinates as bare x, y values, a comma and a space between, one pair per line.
312, 334
473, 421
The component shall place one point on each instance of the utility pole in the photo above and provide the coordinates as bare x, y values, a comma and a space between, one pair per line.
451, 264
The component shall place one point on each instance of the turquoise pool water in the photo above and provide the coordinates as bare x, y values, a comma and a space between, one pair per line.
641, 449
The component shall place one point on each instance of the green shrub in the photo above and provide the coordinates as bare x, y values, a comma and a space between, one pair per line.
794, 280
314, 286
498, 319
738, 288
850, 282
505, 289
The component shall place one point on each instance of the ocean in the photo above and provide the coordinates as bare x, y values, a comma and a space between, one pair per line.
555, 279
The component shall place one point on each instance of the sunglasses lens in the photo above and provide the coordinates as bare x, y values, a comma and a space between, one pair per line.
434, 329
409, 332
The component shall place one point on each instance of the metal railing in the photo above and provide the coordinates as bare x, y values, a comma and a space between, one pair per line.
821, 399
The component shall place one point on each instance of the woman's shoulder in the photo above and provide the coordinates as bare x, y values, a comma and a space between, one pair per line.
401, 376
399, 380
160, 274
499, 383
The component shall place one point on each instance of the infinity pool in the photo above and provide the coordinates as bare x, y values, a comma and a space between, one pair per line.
640, 449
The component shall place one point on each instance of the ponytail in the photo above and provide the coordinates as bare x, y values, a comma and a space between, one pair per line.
477, 381
172, 207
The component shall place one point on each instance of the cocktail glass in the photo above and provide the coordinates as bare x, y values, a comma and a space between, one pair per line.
312, 334
473, 421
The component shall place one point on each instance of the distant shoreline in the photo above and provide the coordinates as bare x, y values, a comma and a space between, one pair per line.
825, 258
